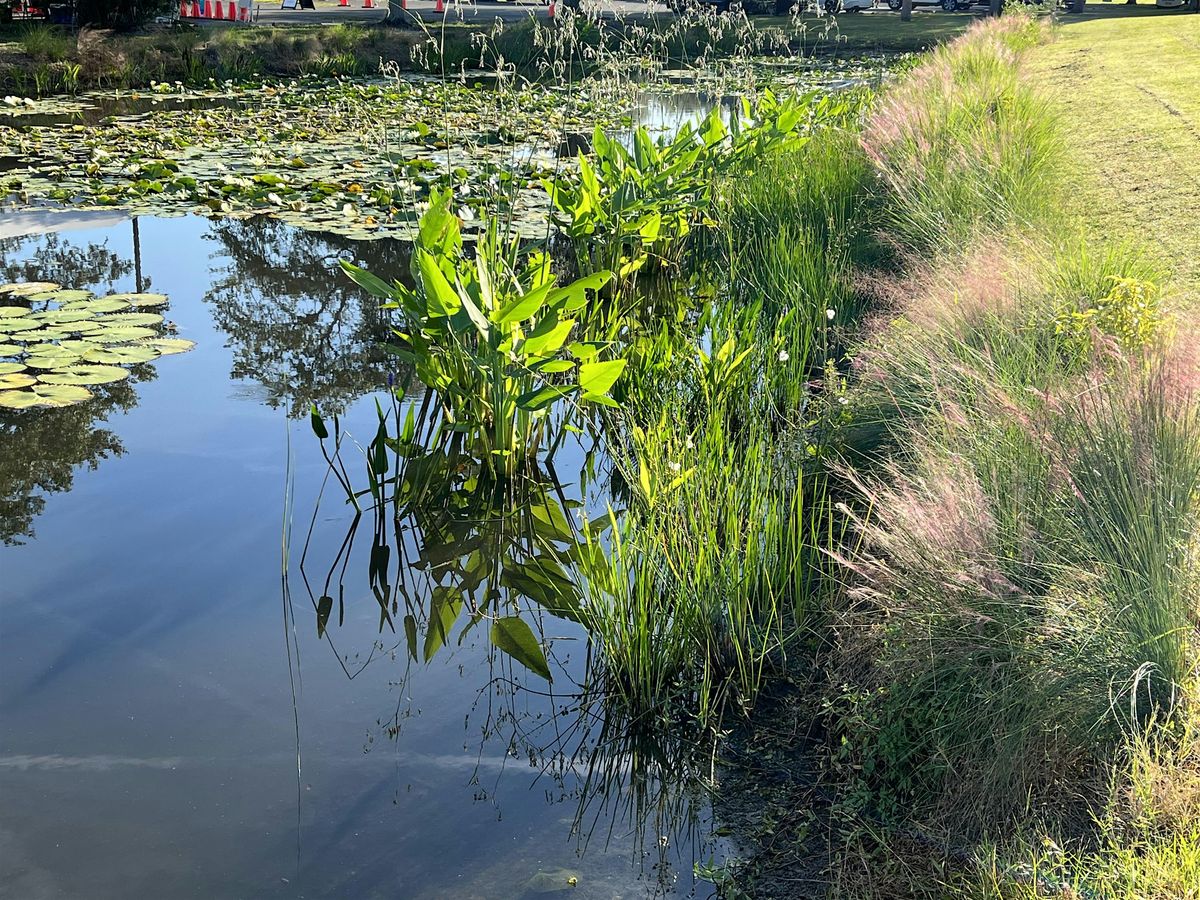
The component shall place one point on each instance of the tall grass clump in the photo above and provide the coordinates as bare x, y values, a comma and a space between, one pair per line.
46, 43
1024, 595
966, 144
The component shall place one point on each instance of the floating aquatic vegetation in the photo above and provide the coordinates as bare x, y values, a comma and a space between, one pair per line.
55, 343
349, 158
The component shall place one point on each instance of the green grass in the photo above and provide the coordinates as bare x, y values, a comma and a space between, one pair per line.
1124, 82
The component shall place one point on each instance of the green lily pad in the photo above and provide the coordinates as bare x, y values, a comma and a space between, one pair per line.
27, 288
45, 395
63, 296
140, 299
13, 312
9, 368
18, 399
51, 360
61, 316
17, 380
127, 353
80, 346
101, 305
121, 334
133, 318
85, 375
10, 349
168, 346
13, 325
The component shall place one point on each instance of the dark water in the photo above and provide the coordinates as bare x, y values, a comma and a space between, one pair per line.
160, 667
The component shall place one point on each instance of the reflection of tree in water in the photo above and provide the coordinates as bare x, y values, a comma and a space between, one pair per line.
40, 448
296, 323
58, 260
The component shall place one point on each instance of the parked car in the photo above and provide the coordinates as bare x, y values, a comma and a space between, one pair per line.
947, 5
833, 7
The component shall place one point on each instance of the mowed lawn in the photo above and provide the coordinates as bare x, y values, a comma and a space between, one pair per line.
1128, 80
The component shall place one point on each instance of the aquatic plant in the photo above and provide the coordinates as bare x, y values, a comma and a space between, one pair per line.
492, 337
634, 207
55, 342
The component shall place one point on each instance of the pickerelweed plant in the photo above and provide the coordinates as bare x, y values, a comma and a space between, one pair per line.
491, 336
633, 209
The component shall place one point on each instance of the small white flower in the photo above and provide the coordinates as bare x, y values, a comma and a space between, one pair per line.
783, 356
843, 401
674, 467
830, 313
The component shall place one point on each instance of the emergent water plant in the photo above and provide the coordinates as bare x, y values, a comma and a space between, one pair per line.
495, 338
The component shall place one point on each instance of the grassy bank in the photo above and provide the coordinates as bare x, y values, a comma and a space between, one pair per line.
1125, 85
1004, 692
41, 60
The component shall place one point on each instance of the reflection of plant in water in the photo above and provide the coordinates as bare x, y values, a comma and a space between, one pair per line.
454, 552
296, 328
449, 539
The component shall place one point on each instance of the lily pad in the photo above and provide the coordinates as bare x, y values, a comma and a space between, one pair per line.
51, 360
62, 296
80, 346
62, 316
133, 318
87, 375
167, 346
27, 288
45, 395
16, 380
127, 353
10, 349
13, 325
9, 368
140, 299
13, 312
101, 305
121, 334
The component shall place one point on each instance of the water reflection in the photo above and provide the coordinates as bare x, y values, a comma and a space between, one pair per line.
444, 554
296, 325
40, 452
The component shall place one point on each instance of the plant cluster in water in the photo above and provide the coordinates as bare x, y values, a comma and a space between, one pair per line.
55, 343
654, 373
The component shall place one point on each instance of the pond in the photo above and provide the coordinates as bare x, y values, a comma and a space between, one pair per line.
173, 724
218, 679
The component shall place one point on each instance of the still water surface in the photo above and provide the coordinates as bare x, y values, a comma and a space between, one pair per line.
161, 675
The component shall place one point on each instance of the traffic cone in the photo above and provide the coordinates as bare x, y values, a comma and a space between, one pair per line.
441, 7
367, 4
184, 11
232, 11
218, 13
343, 2
550, 9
